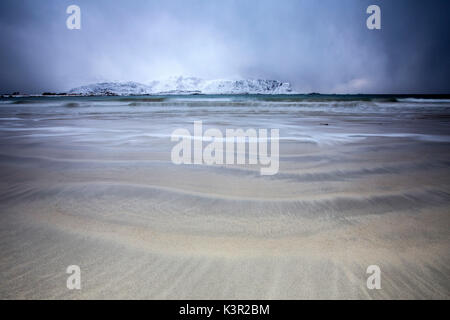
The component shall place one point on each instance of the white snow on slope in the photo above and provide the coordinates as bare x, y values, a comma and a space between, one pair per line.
186, 85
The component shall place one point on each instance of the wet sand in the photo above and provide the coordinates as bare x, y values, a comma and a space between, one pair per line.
89, 194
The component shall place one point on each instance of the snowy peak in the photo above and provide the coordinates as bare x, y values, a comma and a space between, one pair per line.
112, 89
186, 85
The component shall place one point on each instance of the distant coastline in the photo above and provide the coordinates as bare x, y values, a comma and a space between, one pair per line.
392, 97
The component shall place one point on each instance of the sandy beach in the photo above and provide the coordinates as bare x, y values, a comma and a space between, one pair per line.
90, 182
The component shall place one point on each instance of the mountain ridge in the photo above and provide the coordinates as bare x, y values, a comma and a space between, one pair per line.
185, 85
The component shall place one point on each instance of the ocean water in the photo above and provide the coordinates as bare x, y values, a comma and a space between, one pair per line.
135, 120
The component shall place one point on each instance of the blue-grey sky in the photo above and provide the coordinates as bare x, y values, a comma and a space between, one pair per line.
317, 45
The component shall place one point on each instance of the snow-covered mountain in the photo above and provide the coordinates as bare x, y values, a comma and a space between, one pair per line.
112, 88
186, 85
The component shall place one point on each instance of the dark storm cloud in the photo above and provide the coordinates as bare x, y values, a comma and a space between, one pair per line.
316, 45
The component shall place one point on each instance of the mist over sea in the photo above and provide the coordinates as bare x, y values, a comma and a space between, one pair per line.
138, 121
363, 180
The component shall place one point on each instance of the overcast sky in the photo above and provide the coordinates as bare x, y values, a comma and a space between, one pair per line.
317, 45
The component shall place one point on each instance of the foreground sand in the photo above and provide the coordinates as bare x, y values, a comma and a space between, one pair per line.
141, 227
